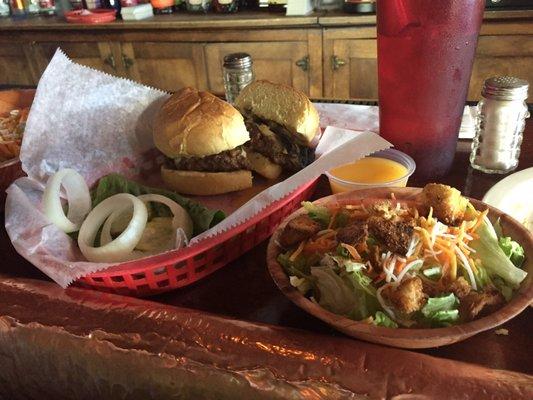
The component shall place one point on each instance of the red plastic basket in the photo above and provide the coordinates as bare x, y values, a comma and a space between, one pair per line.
180, 268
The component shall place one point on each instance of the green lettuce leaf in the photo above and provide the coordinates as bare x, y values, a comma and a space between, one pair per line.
382, 319
492, 256
436, 304
319, 214
442, 310
513, 250
334, 293
433, 273
203, 218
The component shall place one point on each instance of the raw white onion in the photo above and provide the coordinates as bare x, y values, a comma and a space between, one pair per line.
78, 198
181, 218
120, 248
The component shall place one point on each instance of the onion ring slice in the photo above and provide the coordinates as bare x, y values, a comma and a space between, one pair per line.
78, 198
120, 248
181, 219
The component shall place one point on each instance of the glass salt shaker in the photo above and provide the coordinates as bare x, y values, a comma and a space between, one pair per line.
500, 121
238, 74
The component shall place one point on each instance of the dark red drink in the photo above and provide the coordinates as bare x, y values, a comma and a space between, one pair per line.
425, 54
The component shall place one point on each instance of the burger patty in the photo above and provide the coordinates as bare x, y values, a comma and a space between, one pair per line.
226, 161
278, 144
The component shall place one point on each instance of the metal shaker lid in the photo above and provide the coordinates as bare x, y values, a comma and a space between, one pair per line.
238, 60
505, 88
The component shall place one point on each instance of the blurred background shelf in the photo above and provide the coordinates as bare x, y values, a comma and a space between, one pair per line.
323, 54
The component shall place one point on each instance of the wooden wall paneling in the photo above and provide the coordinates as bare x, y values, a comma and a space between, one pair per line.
275, 61
164, 65
97, 55
314, 50
14, 64
501, 55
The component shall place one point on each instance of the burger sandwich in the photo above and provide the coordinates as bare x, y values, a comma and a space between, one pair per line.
203, 138
282, 123
212, 147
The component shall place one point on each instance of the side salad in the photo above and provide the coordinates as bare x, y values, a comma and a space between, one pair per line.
431, 263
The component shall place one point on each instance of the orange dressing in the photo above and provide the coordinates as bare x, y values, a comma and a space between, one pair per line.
368, 170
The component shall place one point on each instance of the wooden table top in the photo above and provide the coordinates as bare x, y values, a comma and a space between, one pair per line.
254, 297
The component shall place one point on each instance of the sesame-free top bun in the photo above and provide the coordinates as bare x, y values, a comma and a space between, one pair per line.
198, 124
282, 104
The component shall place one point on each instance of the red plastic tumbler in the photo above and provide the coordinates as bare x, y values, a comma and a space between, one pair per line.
425, 55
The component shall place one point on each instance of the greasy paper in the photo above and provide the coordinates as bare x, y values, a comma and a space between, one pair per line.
98, 124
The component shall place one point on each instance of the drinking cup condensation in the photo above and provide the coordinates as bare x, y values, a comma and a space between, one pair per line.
237, 74
425, 55
500, 122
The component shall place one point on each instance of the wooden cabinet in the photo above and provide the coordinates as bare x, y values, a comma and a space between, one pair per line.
282, 62
350, 69
16, 64
331, 56
502, 55
163, 65
97, 55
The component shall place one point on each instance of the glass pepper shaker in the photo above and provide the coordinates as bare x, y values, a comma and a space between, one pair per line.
238, 73
500, 121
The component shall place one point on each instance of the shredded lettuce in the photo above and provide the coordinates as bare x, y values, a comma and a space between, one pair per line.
505, 290
493, 258
203, 218
441, 310
482, 277
382, 319
348, 293
302, 284
298, 267
433, 273
333, 292
319, 214
513, 250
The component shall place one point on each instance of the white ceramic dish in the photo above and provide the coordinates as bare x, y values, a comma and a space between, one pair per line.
513, 195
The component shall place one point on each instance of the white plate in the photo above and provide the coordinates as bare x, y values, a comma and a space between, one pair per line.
514, 196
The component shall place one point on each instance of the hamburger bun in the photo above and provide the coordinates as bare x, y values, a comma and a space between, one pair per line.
197, 124
282, 104
206, 183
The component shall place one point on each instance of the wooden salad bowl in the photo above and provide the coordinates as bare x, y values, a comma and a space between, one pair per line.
404, 337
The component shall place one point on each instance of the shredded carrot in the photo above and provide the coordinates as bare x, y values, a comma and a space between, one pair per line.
321, 245
353, 252
297, 252
479, 220
393, 196
399, 267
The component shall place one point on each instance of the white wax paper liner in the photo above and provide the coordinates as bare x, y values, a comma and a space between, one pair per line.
97, 124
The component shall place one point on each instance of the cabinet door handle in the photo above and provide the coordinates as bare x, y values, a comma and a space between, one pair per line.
337, 62
303, 63
128, 62
110, 60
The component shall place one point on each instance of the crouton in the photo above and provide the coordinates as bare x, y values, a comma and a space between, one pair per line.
476, 303
353, 234
460, 287
448, 205
395, 236
407, 297
298, 229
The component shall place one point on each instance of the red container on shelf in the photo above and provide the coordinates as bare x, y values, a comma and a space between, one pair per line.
425, 55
